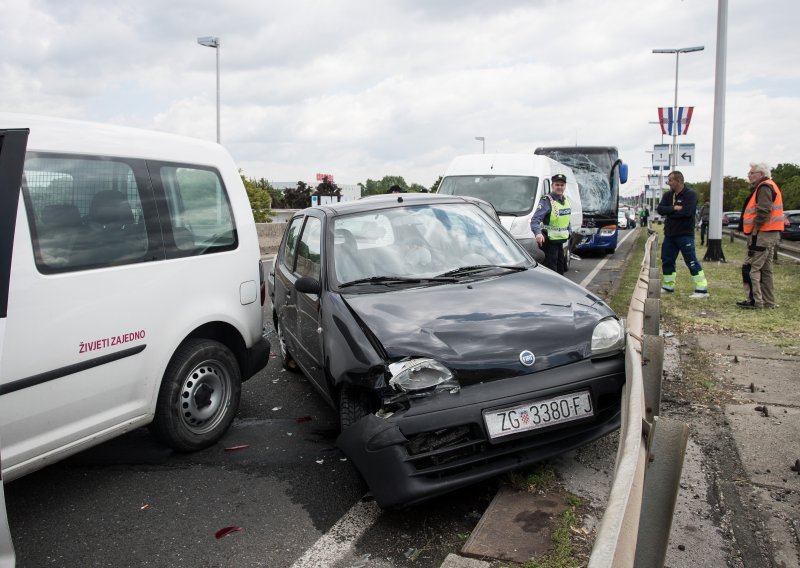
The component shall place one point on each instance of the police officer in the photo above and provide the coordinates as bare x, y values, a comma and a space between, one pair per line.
550, 225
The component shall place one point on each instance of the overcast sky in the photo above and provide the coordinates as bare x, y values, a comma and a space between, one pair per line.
366, 88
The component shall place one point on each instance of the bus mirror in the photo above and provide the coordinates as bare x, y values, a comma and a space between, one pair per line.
623, 172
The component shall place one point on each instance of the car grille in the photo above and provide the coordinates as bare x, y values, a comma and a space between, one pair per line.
451, 451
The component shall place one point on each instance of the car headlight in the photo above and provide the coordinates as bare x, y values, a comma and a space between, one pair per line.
421, 374
608, 230
608, 337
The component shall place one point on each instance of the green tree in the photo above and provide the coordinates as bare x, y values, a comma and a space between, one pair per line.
260, 199
417, 188
435, 186
328, 187
298, 197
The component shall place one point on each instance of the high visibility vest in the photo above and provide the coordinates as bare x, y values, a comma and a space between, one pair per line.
558, 226
776, 218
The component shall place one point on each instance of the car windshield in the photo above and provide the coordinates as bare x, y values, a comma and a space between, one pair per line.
417, 244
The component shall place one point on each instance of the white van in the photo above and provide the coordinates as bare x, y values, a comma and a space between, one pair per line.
131, 289
513, 184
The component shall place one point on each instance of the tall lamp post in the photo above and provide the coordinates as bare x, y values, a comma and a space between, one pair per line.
482, 140
675, 126
211, 41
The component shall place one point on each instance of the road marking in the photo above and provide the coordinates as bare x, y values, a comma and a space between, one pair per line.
603, 262
339, 540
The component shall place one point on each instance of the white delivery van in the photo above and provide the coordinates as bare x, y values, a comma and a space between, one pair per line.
131, 289
513, 184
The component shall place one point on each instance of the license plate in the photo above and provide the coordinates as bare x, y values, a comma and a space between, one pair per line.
538, 414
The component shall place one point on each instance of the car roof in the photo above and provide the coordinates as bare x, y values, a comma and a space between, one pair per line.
386, 201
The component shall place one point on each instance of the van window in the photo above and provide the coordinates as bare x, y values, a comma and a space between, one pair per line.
510, 195
83, 212
199, 211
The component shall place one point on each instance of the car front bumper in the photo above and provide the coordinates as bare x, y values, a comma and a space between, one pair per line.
441, 443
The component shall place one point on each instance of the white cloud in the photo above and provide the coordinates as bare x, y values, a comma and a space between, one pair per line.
364, 89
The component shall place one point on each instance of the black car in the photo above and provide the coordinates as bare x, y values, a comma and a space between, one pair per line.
451, 355
730, 219
791, 226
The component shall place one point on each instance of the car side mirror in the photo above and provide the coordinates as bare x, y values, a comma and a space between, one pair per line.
308, 285
623, 173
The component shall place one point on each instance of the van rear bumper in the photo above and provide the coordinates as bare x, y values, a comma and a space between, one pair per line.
256, 358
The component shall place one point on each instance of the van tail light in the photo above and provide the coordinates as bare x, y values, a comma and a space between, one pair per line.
262, 282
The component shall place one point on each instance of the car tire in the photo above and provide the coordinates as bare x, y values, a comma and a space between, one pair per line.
199, 396
354, 404
287, 362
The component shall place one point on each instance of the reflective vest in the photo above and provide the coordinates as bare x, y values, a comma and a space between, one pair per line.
558, 226
775, 222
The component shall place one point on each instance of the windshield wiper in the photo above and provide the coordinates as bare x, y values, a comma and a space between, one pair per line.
464, 270
394, 280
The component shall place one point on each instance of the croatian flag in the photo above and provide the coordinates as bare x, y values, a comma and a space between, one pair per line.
667, 121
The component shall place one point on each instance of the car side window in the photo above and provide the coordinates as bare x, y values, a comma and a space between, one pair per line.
289, 252
309, 249
84, 212
199, 211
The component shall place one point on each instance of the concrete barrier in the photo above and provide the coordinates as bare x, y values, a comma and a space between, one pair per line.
269, 236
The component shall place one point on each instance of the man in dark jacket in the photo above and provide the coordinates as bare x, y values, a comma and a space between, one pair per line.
678, 207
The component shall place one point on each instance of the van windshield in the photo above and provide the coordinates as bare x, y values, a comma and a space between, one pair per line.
510, 195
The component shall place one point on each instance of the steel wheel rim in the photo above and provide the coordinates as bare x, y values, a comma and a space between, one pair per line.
204, 397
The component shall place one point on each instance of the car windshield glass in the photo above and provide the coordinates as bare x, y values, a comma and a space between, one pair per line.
510, 195
419, 242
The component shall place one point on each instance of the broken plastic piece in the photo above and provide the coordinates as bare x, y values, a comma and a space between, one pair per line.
223, 532
301, 419
237, 448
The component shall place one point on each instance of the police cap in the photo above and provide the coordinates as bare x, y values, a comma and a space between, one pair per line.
559, 177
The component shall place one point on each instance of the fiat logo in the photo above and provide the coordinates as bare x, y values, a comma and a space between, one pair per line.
527, 358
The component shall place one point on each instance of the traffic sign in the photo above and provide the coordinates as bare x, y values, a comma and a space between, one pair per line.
661, 155
685, 154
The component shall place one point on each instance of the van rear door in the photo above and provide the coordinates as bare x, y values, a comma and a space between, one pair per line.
12, 157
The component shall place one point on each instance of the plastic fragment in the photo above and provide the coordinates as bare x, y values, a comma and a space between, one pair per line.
145, 506
361, 561
223, 532
320, 462
301, 419
277, 408
411, 554
237, 448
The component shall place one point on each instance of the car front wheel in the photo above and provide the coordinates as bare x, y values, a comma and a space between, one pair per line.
354, 404
199, 396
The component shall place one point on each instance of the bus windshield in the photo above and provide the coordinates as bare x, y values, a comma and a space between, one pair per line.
592, 166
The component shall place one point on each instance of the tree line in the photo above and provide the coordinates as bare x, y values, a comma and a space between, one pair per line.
263, 197
735, 190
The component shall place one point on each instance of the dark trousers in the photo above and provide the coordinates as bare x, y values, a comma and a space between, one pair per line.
555, 256
703, 231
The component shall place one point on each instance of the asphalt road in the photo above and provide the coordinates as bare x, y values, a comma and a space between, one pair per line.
132, 502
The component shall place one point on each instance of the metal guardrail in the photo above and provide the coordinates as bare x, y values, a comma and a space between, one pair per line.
635, 528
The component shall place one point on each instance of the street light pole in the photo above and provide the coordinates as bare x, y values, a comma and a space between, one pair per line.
675, 125
211, 41
482, 140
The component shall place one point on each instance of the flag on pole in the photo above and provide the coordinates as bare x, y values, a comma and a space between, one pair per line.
667, 121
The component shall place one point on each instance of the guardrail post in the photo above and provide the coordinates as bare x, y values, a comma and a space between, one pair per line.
652, 314
654, 288
661, 485
652, 374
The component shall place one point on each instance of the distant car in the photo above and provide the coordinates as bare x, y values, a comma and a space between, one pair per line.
791, 227
450, 354
622, 220
731, 219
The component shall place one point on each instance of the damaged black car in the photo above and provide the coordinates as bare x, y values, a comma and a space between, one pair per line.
450, 354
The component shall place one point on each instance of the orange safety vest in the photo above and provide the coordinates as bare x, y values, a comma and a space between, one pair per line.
775, 222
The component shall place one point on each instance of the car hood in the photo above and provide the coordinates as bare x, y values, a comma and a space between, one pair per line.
482, 326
